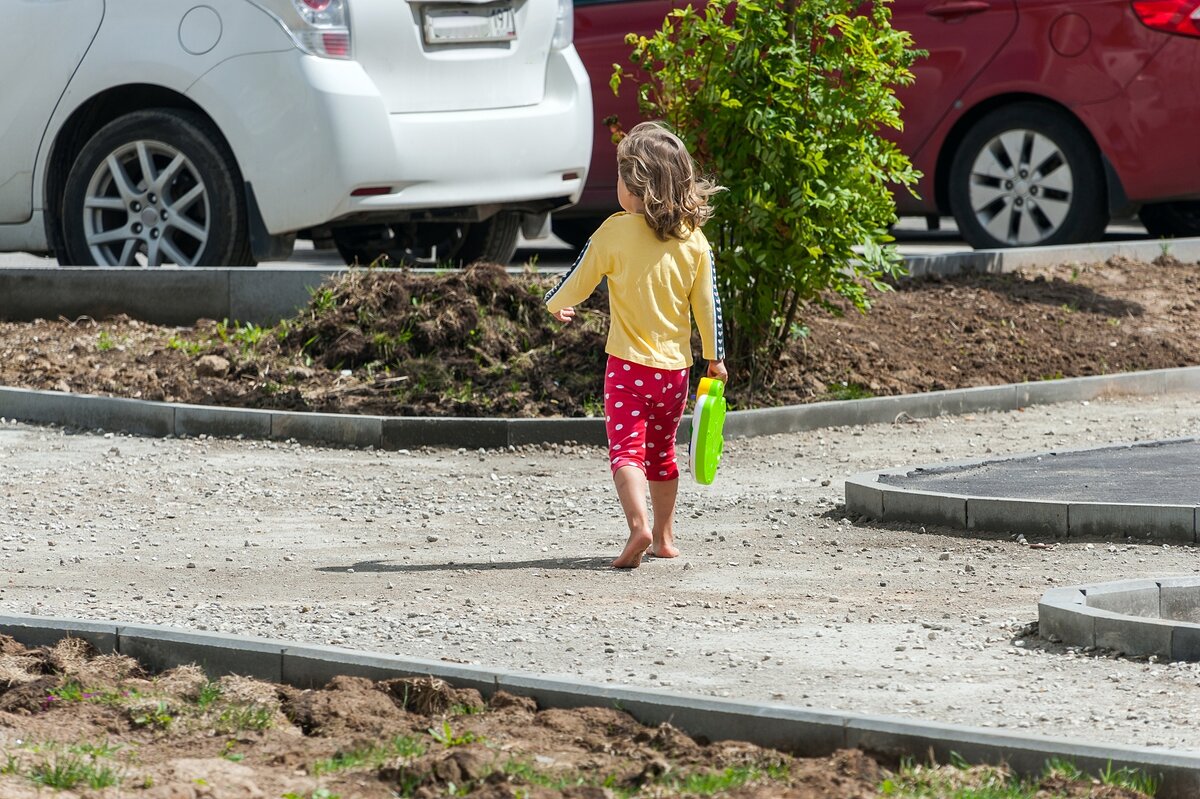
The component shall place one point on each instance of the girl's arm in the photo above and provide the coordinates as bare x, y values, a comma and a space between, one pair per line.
580, 280
706, 307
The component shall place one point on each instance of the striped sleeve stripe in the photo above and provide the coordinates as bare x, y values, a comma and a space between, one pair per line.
567, 275
718, 319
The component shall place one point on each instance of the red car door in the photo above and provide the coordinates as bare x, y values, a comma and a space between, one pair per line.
962, 37
600, 29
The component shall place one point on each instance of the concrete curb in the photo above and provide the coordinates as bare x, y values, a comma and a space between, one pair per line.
264, 295
805, 732
1138, 618
866, 495
142, 417
997, 261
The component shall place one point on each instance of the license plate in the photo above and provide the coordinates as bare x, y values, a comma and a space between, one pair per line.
470, 24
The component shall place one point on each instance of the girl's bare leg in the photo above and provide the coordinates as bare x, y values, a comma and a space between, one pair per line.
631, 490
662, 500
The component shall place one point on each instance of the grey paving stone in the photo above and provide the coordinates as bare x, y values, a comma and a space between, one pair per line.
1179, 598
88, 411
128, 416
315, 666
1116, 520
195, 420
1134, 636
265, 295
161, 648
1185, 642
340, 430
409, 432
163, 296
947, 510
981, 399
49, 407
1182, 379
560, 431
805, 732
1029, 517
40, 631
1126, 597
1063, 616
864, 496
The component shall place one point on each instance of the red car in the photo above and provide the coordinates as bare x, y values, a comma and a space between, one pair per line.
1033, 122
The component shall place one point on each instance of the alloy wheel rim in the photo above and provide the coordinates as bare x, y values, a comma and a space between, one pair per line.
1021, 187
146, 204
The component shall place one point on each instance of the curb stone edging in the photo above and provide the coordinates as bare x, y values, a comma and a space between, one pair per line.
162, 419
1138, 618
805, 732
867, 495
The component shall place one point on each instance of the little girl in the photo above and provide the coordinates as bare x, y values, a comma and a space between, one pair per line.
660, 271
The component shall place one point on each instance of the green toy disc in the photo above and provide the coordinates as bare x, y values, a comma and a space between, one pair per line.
708, 424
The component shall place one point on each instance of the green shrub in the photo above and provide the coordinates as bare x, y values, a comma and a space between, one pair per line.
785, 104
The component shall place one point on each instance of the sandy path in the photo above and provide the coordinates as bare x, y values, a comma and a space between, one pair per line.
500, 558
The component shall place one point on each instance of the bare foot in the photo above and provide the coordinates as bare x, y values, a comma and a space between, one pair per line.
635, 547
664, 550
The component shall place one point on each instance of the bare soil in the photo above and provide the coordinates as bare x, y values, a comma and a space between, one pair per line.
479, 343
98, 726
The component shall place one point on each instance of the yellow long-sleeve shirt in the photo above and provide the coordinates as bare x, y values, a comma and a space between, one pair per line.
654, 287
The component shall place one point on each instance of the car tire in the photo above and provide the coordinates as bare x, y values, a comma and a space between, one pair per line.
431, 243
179, 197
1171, 220
1027, 174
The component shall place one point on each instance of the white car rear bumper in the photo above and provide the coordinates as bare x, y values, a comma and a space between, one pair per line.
307, 132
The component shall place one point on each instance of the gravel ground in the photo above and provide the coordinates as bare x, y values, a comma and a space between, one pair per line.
500, 558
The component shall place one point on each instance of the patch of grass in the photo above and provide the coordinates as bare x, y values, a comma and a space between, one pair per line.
1130, 778
962, 781
237, 718
69, 771
707, 783
323, 301
847, 391
371, 757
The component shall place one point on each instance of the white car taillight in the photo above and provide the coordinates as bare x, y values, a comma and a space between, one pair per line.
564, 25
319, 27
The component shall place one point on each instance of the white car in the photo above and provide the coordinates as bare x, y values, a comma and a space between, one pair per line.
212, 132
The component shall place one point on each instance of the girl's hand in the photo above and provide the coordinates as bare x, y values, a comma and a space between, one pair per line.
565, 315
717, 369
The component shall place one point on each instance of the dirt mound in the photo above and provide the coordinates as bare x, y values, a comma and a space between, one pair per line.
179, 734
479, 343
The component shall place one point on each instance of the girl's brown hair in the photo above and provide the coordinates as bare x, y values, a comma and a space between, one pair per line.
657, 169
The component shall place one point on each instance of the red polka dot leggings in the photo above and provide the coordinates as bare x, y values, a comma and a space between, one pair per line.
642, 409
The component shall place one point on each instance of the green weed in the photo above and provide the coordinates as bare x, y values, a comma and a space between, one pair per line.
368, 757
158, 716
323, 301
847, 391
447, 737
189, 348
105, 342
209, 694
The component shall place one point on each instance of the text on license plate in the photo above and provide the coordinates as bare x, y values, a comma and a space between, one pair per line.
466, 24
